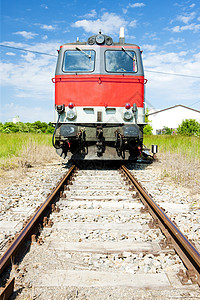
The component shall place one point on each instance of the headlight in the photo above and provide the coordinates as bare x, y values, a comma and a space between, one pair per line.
71, 115
109, 41
91, 40
128, 115
100, 39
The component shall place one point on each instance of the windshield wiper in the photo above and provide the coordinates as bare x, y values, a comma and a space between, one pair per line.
79, 49
123, 49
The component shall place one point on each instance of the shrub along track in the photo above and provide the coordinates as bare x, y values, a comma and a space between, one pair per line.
93, 232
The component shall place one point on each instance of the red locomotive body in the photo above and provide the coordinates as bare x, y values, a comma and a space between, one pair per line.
99, 90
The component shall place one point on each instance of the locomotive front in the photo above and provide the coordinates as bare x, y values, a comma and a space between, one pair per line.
99, 99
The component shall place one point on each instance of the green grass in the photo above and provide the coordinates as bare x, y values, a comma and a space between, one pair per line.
185, 146
13, 144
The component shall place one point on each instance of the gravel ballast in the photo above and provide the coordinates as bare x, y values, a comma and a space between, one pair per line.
18, 202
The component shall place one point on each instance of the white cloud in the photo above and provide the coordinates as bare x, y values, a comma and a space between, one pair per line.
133, 23
124, 10
91, 14
13, 44
192, 27
45, 37
27, 35
31, 89
10, 54
151, 36
176, 29
138, 4
135, 5
165, 89
149, 48
48, 27
186, 18
29, 57
192, 5
31, 78
37, 112
130, 37
109, 23
44, 6
173, 41
30, 75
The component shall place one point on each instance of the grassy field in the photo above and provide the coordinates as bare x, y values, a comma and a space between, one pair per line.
17, 143
14, 143
179, 160
17, 149
188, 147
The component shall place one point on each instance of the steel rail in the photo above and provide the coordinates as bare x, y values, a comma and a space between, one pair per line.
182, 242
7, 291
26, 231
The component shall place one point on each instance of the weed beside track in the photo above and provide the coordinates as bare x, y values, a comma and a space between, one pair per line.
25, 149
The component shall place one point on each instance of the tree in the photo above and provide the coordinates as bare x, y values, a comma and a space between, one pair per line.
148, 129
166, 130
10, 127
50, 128
36, 127
189, 127
1, 127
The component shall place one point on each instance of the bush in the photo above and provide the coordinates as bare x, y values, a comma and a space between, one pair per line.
166, 130
148, 129
36, 127
189, 127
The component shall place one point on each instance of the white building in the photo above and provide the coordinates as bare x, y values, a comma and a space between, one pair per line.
171, 117
16, 119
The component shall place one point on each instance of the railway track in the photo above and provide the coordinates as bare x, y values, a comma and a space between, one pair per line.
101, 236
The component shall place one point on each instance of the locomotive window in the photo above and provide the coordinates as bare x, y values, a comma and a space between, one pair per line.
120, 61
79, 60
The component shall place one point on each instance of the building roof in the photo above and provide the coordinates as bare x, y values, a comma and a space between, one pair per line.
158, 111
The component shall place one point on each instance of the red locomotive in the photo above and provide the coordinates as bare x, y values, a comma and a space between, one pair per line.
99, 99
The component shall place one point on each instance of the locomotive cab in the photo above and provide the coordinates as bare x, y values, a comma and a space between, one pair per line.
99, 99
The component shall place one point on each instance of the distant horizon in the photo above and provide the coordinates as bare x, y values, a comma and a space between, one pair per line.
26, 122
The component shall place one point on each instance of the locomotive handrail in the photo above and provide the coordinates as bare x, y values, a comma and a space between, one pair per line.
99, 79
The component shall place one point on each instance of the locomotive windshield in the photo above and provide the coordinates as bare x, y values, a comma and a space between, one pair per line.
79, 60
120, 61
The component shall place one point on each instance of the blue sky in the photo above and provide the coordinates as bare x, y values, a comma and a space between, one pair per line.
167, 31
